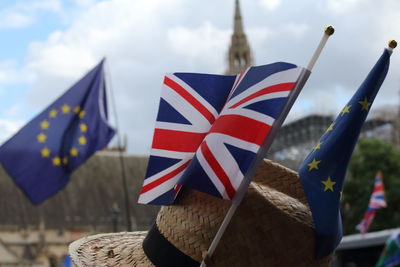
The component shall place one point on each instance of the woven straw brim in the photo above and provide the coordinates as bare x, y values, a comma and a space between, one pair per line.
114, 249
272, 227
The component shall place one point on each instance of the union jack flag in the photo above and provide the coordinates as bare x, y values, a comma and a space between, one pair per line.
377, 201
210, 128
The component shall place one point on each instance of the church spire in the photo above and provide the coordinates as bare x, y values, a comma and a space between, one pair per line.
238, 27
239, 55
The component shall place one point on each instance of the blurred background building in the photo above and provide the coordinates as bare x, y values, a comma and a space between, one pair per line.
295, 139
92, 202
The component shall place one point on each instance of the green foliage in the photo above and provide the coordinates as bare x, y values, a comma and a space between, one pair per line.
371, 156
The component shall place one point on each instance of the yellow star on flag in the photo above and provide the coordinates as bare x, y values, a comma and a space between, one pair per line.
65, 109
313, 164
328, 184
74, 152
53, 113
77, 109
44, 125
83, 127
82, 114
82, 140
364, 104
41, 138
45, 152
65, 160
345, 110
56, 161
330, 128
318, 146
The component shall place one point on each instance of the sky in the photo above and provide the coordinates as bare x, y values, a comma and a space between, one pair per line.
47, 45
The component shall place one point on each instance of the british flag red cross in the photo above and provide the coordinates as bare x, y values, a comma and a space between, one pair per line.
210, 128
377, 201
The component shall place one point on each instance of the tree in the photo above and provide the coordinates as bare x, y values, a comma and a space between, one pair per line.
371, 156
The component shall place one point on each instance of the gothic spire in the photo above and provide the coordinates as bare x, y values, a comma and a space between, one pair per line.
238, 27
239, 55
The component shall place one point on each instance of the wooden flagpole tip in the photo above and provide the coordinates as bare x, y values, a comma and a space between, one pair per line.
329, 30
392, 44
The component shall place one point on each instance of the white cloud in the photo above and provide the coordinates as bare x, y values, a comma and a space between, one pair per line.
94, 35
13, 111
132, 36
297, 30
12, 20
270, 4
10, 73
142, 40
8, 128
202, 46
84, 3
257, 35
342, 6
7, 71
23, 14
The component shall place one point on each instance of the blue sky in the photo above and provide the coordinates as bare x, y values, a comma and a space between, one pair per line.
22, 23
49, 44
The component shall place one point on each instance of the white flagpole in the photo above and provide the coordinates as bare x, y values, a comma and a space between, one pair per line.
329, 30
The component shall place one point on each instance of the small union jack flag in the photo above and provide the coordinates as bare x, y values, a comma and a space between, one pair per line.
377, 201
210, 128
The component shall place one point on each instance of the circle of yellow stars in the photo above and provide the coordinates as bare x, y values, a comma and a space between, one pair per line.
45, 125
328, 184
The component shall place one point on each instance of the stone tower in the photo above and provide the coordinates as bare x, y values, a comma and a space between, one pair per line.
239, 55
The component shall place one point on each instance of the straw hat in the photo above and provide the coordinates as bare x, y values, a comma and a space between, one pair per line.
271, 227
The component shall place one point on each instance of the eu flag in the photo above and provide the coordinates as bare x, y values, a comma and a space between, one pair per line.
42, 155
323, 171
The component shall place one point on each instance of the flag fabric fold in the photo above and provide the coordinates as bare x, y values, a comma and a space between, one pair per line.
377, 201
42, 155
390, 256
210, 128
323, 170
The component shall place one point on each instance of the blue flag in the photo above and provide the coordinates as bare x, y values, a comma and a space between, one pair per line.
322, 172
42, 155
67, 262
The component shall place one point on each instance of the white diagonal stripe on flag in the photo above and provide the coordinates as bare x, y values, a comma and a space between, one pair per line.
287, 76
171, 154
180, 127
213, 178
157, 191
163, 173
187, 110
194, 94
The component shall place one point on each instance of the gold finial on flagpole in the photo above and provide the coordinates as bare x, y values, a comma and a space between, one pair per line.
392, 44
329, 30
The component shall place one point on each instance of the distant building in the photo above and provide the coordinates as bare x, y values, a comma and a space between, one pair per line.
239, 54
295, 140
91, 203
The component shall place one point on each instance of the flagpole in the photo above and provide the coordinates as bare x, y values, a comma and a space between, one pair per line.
122, 162
329, 30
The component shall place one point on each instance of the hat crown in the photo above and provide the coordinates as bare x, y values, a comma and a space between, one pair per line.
271, 227
267, 222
